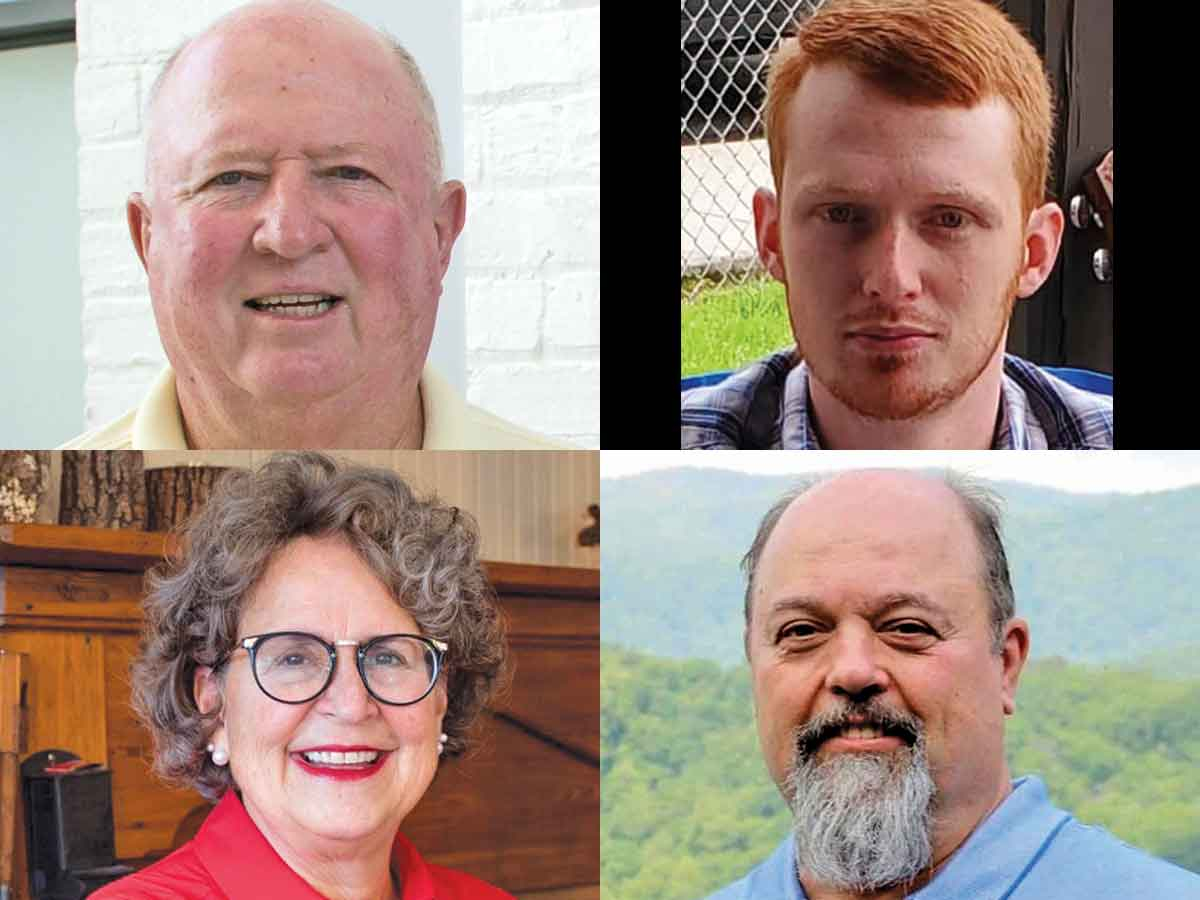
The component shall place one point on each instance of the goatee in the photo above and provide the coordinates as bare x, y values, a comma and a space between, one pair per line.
863, 821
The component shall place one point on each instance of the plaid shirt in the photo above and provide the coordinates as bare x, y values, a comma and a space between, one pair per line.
765, 407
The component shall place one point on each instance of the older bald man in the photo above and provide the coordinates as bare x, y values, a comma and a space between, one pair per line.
295, 229
885, 655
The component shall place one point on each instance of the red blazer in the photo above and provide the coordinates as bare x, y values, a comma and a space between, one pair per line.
229, 859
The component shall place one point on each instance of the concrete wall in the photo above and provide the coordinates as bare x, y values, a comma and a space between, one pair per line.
524, 341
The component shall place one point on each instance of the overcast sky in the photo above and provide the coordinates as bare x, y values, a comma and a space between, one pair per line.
1127, 471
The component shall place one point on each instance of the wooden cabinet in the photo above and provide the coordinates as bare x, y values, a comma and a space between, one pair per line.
522, 811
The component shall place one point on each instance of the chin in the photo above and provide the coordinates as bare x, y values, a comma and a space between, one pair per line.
344, 824
891, 397
290, 381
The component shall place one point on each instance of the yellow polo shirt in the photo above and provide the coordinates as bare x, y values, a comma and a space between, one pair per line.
450, 423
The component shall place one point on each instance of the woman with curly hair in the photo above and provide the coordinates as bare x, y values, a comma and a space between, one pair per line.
321, 641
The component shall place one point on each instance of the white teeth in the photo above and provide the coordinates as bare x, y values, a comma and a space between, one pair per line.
861, 732
334, 758
294, 305
289, 299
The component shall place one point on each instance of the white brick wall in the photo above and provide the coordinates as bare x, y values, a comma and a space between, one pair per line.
531, 77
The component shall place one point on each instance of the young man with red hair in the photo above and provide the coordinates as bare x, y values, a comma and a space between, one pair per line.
910, 144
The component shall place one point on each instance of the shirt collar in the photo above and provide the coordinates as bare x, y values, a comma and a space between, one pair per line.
764, 406
231, 847
158, 421
989, 864
798, 431
1016, 427
446, 414
1014, 430
1002, 848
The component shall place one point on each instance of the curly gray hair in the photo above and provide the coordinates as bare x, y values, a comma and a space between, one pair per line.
425, 552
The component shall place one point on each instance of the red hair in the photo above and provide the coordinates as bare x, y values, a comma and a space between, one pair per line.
929, 53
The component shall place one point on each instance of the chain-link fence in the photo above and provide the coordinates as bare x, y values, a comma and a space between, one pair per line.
724, 47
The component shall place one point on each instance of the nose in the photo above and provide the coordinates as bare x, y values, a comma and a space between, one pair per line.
290, 225
346, 697
891, 264
854, 671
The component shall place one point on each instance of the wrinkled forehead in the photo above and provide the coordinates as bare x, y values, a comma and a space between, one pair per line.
287, 78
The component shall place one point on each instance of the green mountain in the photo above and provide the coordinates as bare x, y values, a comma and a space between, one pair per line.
687, 805
1102, 578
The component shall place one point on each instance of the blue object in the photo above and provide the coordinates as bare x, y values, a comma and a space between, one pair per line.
1026, 849
1096, 382
695, 381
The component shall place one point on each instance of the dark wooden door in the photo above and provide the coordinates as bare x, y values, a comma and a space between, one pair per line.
1070, 320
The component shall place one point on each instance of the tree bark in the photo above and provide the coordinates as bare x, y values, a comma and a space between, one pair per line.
26, 488
174, 493
103, 489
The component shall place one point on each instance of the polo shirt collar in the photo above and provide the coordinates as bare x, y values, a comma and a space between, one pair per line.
158, 421
988, 866
1002, 849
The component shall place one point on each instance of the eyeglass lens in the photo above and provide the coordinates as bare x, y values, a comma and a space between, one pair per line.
294, 668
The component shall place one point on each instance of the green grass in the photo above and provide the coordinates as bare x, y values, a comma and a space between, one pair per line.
727, 327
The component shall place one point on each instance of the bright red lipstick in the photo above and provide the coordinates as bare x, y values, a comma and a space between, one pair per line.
342, 773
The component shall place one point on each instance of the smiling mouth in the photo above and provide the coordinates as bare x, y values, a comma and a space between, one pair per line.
294, 306
333, 759
864, 731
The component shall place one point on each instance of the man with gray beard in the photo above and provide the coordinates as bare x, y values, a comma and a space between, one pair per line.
861, 819
885, 655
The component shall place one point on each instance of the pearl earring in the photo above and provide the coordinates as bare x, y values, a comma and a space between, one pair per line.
219, 757
442, 743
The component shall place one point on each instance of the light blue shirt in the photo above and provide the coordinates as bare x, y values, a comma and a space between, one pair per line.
1026, 849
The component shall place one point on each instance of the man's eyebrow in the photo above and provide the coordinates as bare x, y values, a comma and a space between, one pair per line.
798, 603
349, 148
892, 602
874, 608
951, 192
243, 153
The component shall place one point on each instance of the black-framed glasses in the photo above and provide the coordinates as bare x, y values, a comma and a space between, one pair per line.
296, 667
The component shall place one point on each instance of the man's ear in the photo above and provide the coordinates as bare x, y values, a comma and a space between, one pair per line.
1013, 654
448, 218
766, 232
137, 213
1043, 237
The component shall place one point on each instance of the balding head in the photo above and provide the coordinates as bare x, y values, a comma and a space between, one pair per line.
879, 708
294, 231
305, 26
869, 502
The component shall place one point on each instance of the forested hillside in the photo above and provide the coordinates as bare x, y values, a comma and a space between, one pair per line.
687, 804
1102, 578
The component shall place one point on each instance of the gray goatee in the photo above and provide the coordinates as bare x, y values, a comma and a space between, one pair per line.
863, 821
